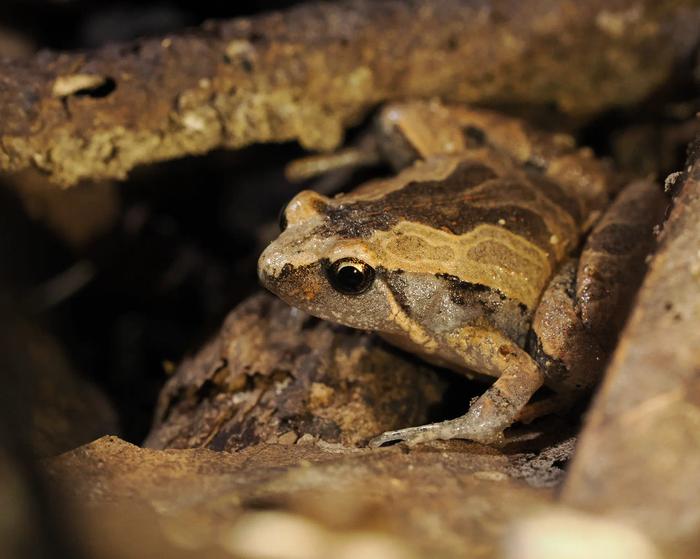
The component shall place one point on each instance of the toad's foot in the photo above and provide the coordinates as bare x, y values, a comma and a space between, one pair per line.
491, 414
461, 428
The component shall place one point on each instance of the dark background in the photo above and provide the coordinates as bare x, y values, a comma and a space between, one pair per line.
182, 241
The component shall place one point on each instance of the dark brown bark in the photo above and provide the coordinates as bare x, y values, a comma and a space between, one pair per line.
308, 73
274, 373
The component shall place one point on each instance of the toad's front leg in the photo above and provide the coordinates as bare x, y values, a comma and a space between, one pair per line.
492, 412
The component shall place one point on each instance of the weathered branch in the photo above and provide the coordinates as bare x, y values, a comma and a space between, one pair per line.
308, 73
639, 456
274, 373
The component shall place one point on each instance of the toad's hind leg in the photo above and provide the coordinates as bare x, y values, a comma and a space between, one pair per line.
568, 353
612, 264
581, 312
491, 413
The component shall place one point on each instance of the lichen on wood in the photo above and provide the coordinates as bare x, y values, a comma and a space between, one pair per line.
308, 73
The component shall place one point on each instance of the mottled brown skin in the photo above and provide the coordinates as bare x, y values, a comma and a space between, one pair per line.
584, 307
465, 258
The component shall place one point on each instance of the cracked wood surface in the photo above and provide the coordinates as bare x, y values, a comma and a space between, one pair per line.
310, 72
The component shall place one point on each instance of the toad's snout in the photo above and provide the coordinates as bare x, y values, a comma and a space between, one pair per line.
272, 265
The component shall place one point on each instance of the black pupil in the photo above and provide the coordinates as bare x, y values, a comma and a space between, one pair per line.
350, 277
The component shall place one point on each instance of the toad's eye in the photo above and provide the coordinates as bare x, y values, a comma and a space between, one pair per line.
350, 276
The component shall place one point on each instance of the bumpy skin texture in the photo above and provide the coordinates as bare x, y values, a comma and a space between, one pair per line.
460, 254
577, 321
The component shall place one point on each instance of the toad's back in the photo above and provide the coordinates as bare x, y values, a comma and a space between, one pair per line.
478, 217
